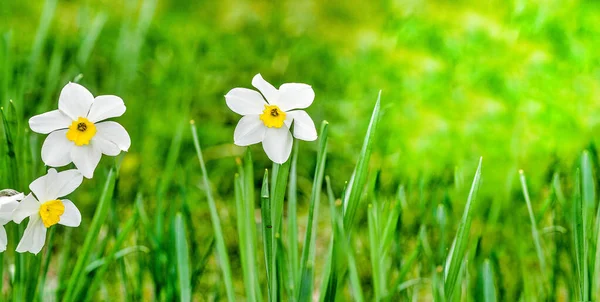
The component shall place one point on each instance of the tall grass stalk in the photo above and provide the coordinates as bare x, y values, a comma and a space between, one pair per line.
457, 254
223, 258
307, 262
350, 201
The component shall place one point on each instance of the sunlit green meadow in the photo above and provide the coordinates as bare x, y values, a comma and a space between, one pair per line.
471, 129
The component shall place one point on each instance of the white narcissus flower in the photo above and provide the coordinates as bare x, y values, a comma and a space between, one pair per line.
269, 122
77, 133
9, 199
45, 209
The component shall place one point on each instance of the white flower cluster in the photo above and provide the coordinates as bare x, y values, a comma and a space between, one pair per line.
78, 134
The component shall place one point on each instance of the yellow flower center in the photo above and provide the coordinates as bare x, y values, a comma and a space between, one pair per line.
81, 131
50, 211
272, 116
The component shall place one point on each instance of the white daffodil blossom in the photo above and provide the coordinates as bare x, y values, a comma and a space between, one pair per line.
268, 120
77, 131
45, 209
9, 199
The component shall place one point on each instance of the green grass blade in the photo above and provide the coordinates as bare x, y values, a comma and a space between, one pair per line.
98, 264
359, 177
243, 237
489, 286
375, 252
292, 214
351, 199
13, 179
91, 237
268, 237
308, 251
537, 240
457, 254
183, 260
251, 241
280, 178
581, 245
591, 231
344, 250
280, 187
216, 221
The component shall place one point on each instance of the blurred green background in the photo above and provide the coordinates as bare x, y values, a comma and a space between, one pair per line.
513, 81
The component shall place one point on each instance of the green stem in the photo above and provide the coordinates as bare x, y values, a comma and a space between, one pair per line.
216, 221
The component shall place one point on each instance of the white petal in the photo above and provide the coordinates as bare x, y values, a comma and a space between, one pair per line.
65, 183
39, 186
86, 158
295, 96
278, 144
75, 101
56, 184
49, 121
249, 130
27, 207
106, 106
34, 237
56, 149
105, 146
3, 239
245, 101
304, 127
71, 217
270, 92
7, 207
115, 133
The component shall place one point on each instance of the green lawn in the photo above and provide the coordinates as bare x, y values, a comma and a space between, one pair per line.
514, 82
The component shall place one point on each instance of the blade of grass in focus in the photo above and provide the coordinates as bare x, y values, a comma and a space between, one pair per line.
350, 200
243, 237
268, 237
216, 221
308, 251
359, 177
251, 240
292, 223
457, 253
489, 286
280, 177
183, 260
374, 242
